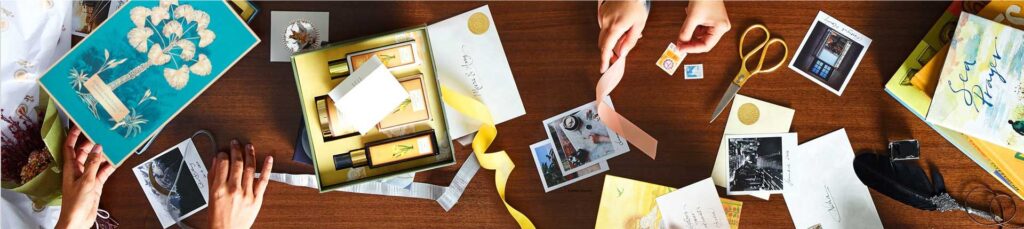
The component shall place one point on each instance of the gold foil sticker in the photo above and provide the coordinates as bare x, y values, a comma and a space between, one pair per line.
104, 95
749, 114
478, 23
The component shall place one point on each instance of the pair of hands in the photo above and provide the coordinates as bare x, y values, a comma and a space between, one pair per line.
622, 24
235, 200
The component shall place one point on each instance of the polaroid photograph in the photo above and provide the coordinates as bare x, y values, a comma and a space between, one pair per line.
551, 175
757, 162
830, 53
581, 139
89, 14
175, 183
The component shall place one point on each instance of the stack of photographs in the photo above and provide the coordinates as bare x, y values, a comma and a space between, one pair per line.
578, 147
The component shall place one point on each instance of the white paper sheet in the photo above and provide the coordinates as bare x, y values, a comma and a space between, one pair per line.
823, 188
771, 119
369, 95
473, 63
693, 206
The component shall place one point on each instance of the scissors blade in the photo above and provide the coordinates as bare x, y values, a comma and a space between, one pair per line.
729, 94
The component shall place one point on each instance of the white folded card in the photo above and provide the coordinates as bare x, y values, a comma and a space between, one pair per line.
368, 95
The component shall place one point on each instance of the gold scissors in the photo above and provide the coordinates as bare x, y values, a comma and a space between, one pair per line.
746, 73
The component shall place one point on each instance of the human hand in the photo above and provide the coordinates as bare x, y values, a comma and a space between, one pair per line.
706, 22
85, 171
621, 23
236, 200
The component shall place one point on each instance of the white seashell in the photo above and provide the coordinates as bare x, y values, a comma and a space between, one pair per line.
139, 15
172, 27
202, 19
139, 38
184, 11
158, 14
206, 37
188, 50
202, 67
177, 78
157, 55
168, 3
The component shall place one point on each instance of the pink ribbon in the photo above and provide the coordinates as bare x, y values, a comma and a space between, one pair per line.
614, 120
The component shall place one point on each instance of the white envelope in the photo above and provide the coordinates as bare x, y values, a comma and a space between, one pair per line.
824, 189
369, 95
771, 118
470, 60
693, 206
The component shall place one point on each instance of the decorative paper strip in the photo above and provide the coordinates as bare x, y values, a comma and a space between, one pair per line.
614, 120
497, 161
447, 197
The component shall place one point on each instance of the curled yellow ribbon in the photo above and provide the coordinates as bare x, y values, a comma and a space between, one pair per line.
497, 161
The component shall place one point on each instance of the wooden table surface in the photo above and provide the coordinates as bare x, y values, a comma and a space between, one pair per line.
552, 48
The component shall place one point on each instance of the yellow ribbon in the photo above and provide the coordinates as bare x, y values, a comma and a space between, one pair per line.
497, 161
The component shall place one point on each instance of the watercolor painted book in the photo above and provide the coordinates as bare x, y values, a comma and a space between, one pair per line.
913, 84
978, 93
143, 65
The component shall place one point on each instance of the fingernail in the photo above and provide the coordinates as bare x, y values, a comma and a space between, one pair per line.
270, 159
234, 142
249, 147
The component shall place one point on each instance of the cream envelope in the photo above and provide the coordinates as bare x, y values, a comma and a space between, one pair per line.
472, 61
627, 203
823, 188
750, 116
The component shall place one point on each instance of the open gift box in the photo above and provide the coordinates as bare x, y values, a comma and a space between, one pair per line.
417, 136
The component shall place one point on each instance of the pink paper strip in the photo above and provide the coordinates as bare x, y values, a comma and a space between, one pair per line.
614, 120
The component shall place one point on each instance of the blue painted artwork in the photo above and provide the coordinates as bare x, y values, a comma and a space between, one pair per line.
141, 67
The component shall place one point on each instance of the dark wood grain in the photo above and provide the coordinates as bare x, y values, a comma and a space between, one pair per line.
552, 48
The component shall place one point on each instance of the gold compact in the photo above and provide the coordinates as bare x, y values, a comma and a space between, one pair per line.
413, 110
331, 124
338, 68
393, 56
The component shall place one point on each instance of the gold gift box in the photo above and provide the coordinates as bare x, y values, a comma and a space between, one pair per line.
319, 71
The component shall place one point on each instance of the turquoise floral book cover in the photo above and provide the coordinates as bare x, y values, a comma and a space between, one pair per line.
142, 66
979, 90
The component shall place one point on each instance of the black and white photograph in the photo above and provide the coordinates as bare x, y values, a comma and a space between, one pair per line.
550, 175
757, 163
581, 140
175, 182
830, 53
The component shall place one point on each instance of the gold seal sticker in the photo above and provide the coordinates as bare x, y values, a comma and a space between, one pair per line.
748, 114
478, 23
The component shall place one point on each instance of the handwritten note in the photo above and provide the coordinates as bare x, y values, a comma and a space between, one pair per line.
694, 206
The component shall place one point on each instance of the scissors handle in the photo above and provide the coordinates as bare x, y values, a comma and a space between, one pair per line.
745, 73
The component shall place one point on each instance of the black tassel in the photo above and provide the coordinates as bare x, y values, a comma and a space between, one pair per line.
906, 182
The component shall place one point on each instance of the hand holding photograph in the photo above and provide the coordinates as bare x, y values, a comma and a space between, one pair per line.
758, 162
